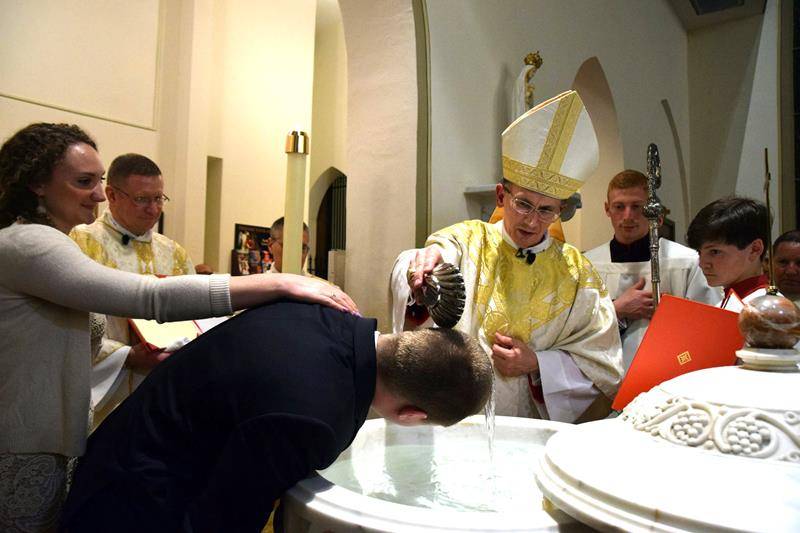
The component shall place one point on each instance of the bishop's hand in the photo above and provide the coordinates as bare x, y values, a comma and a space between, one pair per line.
423, 263
512, 357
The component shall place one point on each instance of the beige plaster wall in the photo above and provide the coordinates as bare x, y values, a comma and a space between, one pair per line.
263, 71
329, 108
477, 47
734, 109
68, 65
53, 55
381, 146
192, 78
722, 63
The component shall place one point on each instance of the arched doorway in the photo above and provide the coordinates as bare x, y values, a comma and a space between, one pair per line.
331, 221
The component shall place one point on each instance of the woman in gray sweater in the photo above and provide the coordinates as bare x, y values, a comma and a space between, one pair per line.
51, 179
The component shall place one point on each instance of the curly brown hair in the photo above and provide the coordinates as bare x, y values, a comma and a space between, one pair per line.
27, 159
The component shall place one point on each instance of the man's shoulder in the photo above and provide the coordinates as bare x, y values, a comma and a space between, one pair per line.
598, 253
93, 239
160, 239
470, 226
88, 229
674, 249
570, 253
468, 231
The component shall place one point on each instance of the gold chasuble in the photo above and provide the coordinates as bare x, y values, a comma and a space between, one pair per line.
557, 303
152, 253
548, 295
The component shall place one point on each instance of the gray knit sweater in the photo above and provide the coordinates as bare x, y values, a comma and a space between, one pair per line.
47, 288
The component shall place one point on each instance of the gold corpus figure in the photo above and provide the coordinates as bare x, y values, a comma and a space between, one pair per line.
535, 61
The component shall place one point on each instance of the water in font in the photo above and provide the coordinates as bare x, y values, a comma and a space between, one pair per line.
455, 476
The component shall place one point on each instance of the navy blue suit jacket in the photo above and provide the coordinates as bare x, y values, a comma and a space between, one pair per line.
224, 426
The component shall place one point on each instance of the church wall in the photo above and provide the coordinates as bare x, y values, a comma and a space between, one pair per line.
734, 108
329, 108
477, 49
262, 89
177, 81
381, 146
185, 81
70, 65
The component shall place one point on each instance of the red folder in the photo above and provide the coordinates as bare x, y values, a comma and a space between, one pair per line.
683, 336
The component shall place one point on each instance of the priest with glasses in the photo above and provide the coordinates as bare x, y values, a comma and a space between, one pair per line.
536, 304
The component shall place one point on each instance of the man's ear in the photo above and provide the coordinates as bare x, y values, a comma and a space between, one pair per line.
410, 415
757, 248
499, 192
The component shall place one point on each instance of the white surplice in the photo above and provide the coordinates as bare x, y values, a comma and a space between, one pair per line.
680, 276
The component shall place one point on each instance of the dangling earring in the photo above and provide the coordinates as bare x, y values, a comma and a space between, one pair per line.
41, 210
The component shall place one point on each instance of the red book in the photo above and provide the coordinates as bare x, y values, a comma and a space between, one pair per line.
683, 336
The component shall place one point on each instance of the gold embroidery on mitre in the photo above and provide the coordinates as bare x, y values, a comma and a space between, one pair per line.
684, 358
539, 180
560, 133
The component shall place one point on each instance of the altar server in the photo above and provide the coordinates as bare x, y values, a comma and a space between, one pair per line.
534, 303
624, 262
731, 235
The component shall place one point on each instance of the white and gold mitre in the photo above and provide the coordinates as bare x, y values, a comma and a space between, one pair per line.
552, 148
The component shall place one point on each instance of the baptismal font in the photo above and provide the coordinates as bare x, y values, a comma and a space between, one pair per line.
712, 450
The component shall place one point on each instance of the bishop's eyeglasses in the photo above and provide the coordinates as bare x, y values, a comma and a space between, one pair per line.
144, 201
546, 213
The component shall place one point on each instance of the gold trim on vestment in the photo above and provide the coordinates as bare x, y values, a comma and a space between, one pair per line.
560, 133
539, 180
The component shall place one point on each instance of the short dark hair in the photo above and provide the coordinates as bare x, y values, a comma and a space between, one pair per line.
444, 372
27, 159
732, 220
789, 236
129, 165
278, 226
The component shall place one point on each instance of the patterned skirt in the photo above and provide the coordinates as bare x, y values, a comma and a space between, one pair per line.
33, 488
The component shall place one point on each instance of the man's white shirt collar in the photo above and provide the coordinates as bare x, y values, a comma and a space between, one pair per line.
542, 246
147, 236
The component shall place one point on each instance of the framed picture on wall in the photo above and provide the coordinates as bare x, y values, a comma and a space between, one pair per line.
250, 254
